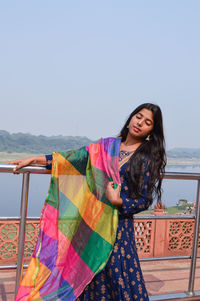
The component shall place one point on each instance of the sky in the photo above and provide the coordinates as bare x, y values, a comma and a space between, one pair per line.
79, 68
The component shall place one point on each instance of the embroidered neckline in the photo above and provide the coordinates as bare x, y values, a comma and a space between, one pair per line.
124, 151
123, 154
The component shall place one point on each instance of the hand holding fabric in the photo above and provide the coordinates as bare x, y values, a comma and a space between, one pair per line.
113, 193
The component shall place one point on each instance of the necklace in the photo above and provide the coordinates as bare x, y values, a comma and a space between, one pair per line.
126, 151
124, 156
125, 148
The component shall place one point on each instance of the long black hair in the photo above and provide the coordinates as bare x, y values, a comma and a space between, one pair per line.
150, 155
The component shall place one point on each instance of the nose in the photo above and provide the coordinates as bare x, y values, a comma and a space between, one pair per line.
140, 122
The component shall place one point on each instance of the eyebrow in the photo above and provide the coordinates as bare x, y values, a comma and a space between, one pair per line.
145, 117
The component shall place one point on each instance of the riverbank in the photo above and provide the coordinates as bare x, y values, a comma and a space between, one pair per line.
5, 156
183, 161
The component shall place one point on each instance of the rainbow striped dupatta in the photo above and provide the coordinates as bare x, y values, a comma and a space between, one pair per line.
78, 224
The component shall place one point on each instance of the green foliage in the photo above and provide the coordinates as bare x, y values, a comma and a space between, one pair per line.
27, 143
182, 202
177, 209
184, 206
169, 210
173, 210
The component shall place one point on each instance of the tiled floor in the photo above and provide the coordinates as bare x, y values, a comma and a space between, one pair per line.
169, 276
162, 277
7, 285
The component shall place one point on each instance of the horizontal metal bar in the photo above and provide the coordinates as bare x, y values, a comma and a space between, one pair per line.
182, 175
2, 267
36, 169
12, 266
167, 258
17, 218
173, 296
138, 217
42, 170
164, 217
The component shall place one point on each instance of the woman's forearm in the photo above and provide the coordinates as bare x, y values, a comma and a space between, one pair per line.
39, 160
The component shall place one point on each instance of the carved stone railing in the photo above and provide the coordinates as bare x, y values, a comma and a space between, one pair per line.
180, 234
9, 232
144, 237
154, 238
164, 237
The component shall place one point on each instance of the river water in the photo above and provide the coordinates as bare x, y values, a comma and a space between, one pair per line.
10, 192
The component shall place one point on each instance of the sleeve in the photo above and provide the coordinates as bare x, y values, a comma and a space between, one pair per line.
132, 206
48, 161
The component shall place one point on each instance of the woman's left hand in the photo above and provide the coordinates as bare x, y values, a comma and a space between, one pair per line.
112, 194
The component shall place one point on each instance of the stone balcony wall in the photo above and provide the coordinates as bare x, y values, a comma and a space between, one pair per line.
154, 238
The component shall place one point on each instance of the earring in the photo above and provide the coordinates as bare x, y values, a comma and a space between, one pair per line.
148, 138
127, 126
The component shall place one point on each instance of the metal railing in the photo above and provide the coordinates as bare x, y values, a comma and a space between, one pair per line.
26, 171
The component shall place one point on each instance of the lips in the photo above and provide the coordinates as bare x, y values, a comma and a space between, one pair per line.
137, 130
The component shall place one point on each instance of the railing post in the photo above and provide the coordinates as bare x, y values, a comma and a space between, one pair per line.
23, 214
160, 238
195, 244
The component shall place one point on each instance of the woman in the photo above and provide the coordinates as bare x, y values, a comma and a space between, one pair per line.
141, 165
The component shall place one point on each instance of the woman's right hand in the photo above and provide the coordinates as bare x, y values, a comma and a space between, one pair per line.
21, 163
26, 162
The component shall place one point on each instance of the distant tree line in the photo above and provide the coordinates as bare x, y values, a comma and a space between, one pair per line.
27, 143
184, 153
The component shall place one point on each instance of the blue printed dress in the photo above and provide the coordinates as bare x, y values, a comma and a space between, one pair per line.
122, 279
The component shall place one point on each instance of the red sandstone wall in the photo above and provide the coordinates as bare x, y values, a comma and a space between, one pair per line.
154, 238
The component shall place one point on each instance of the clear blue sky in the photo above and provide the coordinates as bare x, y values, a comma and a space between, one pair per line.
81, 67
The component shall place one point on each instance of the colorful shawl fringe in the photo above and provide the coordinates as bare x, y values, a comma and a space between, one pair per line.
78, 224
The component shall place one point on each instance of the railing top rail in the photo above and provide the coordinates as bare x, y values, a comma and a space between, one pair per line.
136, 217
36, 169
182, 176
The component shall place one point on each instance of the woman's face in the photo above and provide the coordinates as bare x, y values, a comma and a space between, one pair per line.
141, 124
